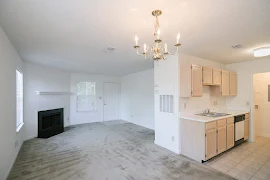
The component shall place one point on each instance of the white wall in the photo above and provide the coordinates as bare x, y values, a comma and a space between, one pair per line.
206, 101
244, 98
262, 114
9, 62
41, 78
167, 125
88, 117
137, 98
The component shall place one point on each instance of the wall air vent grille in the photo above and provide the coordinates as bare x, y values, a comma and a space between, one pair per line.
111, 48
166, 103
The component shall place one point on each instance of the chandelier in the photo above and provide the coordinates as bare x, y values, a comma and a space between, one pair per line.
158, 50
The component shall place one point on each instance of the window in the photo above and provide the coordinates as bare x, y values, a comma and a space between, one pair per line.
86, 96
19, 100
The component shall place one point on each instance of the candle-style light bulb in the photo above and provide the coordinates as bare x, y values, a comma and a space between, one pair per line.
145, 48
178, 37
136, 40
165, 48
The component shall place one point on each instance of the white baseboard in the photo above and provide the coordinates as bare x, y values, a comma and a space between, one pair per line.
14, 160
177, 151
29, 138
139, 124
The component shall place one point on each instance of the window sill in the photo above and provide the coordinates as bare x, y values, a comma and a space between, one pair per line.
19, 127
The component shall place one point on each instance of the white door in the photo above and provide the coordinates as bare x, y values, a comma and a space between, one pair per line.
111, 101
261, 107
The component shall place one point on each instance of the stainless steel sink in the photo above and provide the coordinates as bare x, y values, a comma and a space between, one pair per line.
213, 114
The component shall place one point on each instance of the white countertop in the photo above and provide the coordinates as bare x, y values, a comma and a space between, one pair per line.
193, 117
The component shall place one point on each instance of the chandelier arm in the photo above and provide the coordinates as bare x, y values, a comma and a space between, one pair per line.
175, 52
139, 52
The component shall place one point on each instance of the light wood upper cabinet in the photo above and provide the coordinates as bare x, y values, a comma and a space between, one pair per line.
193, 77
246, 130
210, 143
196, 80
225, 83
233, 84
216, 77
185, 80
230, 133
207, 75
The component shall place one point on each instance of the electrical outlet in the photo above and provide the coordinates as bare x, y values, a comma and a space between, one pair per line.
172, 138
215, 103
185, 105
247, 103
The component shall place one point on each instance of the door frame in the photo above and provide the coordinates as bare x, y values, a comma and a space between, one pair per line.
119, 99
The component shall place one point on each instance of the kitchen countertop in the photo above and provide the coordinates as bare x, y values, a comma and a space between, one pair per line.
193, 117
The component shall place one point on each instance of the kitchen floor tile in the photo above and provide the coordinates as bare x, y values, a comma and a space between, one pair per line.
261, 175
244, 176
246, 161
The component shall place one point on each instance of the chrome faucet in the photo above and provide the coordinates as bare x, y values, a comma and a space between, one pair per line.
207, 111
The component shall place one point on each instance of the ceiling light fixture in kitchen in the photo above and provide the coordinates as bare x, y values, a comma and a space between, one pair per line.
261, 52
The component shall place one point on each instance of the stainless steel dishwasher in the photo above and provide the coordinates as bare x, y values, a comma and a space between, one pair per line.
239, 129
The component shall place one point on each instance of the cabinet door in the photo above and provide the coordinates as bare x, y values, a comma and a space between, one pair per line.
230, 136
207, 76
246, 131
216, 77
210, 143
196, 81
185, 79
221, 139
225, 83
233, 84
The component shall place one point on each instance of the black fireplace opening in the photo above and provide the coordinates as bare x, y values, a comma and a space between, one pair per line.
50, 123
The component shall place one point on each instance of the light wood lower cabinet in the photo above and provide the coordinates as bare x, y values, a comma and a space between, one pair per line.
202, 141
210, 143
230, 135
219, 136
221, 139
246, 130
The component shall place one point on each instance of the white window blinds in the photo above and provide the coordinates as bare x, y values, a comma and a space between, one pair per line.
19, 99
86, 96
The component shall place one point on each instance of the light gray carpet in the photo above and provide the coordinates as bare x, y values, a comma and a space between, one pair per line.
98, 152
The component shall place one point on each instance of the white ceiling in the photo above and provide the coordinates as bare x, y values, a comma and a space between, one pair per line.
74, 34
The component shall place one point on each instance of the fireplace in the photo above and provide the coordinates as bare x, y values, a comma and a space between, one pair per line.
50, 123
